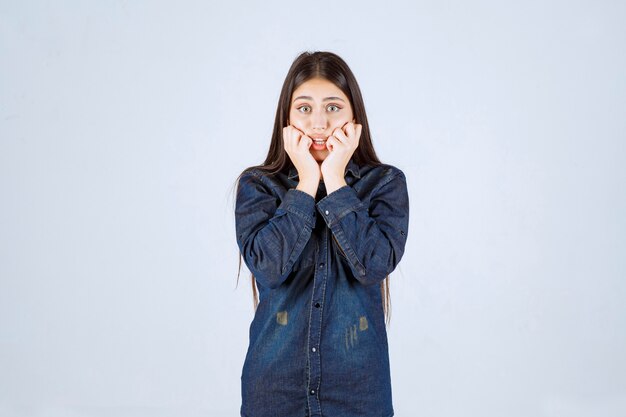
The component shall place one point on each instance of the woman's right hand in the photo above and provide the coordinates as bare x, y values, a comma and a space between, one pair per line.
297, 146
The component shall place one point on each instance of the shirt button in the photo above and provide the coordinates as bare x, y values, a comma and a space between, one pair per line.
317, 305
322, 265
326, 212
312, 392
313, 349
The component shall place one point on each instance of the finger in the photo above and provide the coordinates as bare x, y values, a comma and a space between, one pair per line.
286, 140
293, 137
305, 142
296, 129
350, 129
357, 136
359, 128
340, 135
332, 142
296, 134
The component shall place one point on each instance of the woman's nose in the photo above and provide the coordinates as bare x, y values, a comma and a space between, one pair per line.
319, 120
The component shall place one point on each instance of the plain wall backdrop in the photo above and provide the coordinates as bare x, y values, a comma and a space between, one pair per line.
124, 124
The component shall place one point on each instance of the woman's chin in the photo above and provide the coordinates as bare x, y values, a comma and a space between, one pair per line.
319, 156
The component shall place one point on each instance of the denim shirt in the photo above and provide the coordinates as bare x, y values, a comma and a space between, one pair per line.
318, 342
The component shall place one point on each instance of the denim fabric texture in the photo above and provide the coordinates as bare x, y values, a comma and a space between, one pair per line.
318, 342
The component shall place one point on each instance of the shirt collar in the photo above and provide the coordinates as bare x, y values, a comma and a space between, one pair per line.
352, 167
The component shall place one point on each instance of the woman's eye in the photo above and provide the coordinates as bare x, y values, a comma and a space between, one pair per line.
331, 107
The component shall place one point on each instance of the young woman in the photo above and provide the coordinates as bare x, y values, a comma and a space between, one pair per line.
320, 224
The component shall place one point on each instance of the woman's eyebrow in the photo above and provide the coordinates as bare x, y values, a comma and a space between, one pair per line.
311, 98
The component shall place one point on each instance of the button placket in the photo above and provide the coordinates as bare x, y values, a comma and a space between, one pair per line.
316, 314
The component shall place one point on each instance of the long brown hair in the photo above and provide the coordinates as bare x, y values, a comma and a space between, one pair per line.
327, 65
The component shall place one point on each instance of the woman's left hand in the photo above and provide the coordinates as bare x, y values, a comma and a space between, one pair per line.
341, 145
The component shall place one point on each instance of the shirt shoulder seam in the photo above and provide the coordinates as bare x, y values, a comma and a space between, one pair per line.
395, 173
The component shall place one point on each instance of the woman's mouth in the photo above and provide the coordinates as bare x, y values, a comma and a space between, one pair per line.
319, 144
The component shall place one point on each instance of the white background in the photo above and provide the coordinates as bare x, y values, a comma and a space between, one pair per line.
123, 125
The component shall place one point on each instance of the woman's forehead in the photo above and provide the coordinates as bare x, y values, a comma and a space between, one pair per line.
318, 89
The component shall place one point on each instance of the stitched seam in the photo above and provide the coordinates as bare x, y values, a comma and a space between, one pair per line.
342, 253
293, 209
308, 345
324, 305
350, 249
295, 246
391, 177
356, 207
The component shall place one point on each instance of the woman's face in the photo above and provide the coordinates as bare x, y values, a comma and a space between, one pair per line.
318, 107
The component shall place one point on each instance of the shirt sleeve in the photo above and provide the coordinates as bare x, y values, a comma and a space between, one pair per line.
271, 234
372, 235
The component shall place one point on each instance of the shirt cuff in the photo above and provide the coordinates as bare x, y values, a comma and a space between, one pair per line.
301, 204
339, 203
